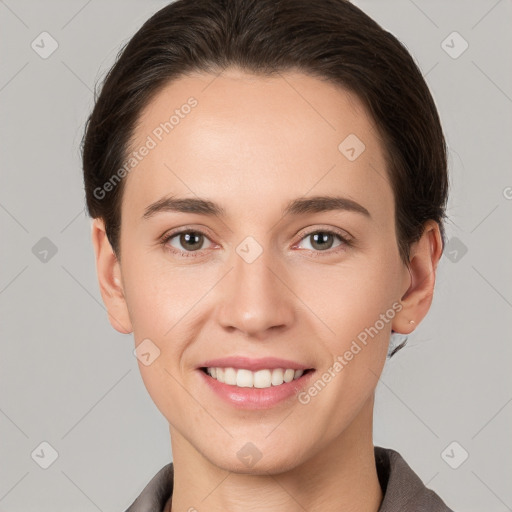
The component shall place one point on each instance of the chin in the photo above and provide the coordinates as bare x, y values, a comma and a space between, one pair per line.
249, 460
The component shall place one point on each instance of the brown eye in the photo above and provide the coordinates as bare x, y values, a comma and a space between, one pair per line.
323, 240
187, 241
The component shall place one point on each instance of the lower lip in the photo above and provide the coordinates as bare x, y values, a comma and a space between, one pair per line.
256, 398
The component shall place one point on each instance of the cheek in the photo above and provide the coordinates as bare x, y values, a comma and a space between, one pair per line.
163, 305
355, 305
160, 297
349, 297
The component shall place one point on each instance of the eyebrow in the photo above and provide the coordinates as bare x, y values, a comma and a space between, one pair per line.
300, 206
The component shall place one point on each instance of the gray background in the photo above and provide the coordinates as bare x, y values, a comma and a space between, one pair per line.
67, 378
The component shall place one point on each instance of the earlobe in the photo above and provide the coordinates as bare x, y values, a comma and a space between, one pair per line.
109, 279
416, 301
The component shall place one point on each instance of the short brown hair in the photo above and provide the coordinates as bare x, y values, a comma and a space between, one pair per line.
329, 39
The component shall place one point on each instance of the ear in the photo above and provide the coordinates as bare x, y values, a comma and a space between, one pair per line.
109, 278
423, 260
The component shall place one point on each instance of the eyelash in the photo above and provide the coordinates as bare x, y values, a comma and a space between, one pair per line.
345, 242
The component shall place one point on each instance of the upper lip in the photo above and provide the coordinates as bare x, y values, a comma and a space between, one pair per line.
263, 363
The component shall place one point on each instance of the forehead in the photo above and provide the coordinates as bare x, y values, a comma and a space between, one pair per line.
250, 141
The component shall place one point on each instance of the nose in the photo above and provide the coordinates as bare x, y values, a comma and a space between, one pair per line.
256, 298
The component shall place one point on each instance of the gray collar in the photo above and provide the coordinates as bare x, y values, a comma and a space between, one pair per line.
402, 488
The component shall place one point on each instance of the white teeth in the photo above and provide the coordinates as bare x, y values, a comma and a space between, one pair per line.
244, 378
229, 376
260, 379
277, 377
288, 375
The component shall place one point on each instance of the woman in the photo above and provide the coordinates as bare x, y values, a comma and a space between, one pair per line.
268, 184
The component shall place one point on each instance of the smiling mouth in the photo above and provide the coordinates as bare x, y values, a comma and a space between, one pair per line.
260, 379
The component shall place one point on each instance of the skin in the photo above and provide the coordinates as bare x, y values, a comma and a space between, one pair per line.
252, 144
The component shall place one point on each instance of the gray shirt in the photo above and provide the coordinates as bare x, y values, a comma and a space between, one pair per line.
402, 489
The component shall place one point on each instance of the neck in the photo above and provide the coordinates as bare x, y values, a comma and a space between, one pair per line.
342, 476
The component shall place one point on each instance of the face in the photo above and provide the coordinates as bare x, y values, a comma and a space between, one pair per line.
275, 271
